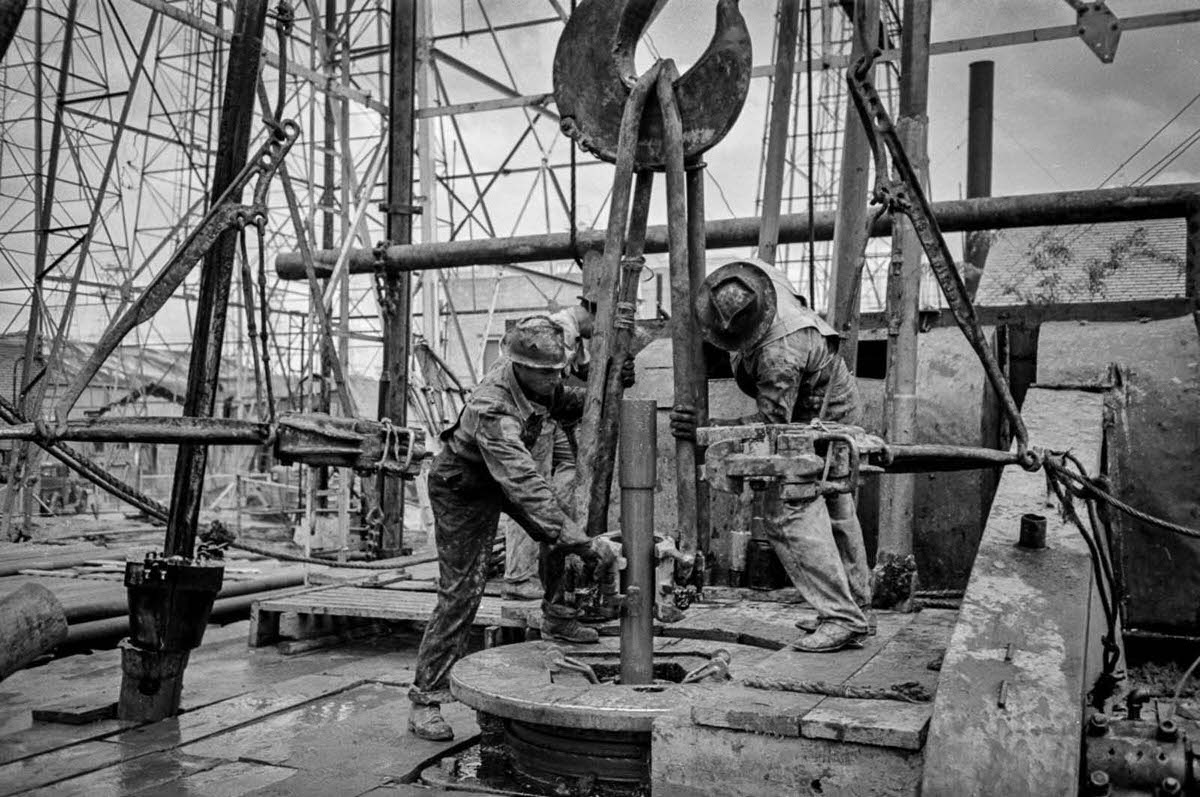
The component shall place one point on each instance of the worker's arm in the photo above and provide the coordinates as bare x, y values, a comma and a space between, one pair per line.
529, 499
778, 372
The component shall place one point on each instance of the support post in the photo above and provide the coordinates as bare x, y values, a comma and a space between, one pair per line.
397, 288
1192, 274
896, 492
850, 233
777, 137
979, 166
697, 260
638, 475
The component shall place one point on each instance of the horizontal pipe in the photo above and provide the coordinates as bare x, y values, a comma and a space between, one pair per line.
167, 429
231, 589
117, 627
922, 458
983, 213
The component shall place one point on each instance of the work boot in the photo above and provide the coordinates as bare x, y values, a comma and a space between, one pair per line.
568, 629
809, 624
528, 590
667, 613
427, 722
829, 637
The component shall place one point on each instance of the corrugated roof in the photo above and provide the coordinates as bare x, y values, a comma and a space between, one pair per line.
1113, 262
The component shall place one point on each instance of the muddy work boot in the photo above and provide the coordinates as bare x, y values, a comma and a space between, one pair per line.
568, 629
829, 637
427, 722
810, 624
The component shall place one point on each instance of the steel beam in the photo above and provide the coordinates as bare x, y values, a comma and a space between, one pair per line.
990, 213
396, 287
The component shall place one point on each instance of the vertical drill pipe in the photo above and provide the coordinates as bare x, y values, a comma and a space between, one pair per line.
639, 424
683, 327
237, 119
979, 165
897, 492
697, 252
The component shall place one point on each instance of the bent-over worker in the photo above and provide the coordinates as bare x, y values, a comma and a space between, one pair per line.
485, 468
785, 356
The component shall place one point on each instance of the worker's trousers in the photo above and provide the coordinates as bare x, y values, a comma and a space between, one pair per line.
467, 504
820, 544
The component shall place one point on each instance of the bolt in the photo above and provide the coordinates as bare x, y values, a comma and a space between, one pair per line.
1098, 783
1168, 731
1098, 725
1170, 787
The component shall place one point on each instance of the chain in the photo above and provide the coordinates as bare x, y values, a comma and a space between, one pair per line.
264, 310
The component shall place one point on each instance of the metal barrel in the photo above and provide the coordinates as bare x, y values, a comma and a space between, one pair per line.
637, 475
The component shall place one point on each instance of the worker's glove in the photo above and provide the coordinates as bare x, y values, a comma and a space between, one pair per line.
572, 538
628, 375
683, 422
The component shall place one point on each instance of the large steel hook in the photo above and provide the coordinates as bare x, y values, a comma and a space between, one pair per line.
594, 73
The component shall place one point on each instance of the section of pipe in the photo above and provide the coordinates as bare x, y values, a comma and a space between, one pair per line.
396, 309
986, 213
638, 474
788, 21
897, 493
851, 235
979, 165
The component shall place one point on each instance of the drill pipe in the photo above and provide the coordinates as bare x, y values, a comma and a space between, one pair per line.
639, 451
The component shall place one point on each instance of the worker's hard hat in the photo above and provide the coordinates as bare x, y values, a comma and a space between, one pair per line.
536, 342
735, 305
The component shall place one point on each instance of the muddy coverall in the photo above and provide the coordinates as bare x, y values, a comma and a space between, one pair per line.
556, 462
486, 468
795, 375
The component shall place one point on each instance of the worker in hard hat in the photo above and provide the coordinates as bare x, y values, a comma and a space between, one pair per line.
785, 356
486, 468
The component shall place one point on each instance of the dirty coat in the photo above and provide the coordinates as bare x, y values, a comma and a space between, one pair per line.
485, 468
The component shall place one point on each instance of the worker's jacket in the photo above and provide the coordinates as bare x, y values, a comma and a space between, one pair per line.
794, 372
494, 435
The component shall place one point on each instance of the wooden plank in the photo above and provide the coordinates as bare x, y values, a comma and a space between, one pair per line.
229, 779
69, 762
80, 711
907, 656
134, 776
232, 713
880, 723
741, 708
43, 738
1037, 602
371, 735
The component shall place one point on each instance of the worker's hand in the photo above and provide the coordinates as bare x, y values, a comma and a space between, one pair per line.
572, 536
683, 422
628, 375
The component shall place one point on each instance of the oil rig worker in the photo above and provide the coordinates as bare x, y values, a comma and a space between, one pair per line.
486, 468
785, 356
554, 451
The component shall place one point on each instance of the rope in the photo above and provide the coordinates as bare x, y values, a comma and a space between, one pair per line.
1086, 486
907, 692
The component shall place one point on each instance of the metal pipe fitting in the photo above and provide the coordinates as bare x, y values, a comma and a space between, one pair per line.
1033, 532
637, 475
